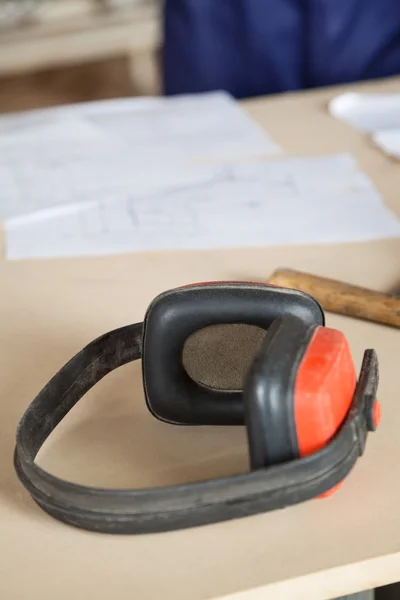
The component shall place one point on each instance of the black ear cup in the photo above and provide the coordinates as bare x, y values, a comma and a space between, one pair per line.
269, 392
193, 337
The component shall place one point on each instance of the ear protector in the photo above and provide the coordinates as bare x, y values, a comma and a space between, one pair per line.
223, 353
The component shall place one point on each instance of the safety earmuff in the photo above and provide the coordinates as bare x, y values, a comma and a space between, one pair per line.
222, 353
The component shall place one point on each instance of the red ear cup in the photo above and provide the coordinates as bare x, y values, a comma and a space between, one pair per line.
324, 389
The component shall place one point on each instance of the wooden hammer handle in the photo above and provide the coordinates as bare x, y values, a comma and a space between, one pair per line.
342, 298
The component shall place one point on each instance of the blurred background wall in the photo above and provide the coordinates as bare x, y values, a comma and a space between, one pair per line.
58, 51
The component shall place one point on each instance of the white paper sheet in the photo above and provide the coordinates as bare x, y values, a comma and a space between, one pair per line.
367, 112
290, 201
192, 127
389, 141
86, 152
376, 114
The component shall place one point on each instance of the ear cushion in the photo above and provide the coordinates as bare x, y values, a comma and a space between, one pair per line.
269, 392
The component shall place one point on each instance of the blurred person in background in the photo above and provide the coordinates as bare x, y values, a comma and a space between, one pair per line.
259, 47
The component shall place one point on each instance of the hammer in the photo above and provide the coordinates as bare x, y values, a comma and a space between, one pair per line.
343, 298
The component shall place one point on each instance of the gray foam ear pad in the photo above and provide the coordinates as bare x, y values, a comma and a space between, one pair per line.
219, 356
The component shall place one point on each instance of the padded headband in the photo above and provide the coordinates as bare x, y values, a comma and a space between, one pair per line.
127, 511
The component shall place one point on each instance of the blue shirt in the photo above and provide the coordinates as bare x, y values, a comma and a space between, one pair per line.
257, 47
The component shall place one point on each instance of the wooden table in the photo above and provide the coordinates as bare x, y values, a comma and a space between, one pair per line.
314, 551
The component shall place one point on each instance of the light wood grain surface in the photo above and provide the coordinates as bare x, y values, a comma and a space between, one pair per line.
318, 550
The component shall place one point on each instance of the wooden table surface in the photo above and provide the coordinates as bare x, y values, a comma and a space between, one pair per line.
317, 550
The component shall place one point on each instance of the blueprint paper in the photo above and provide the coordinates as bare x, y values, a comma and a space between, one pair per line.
206, 126
287, 201
92, 151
